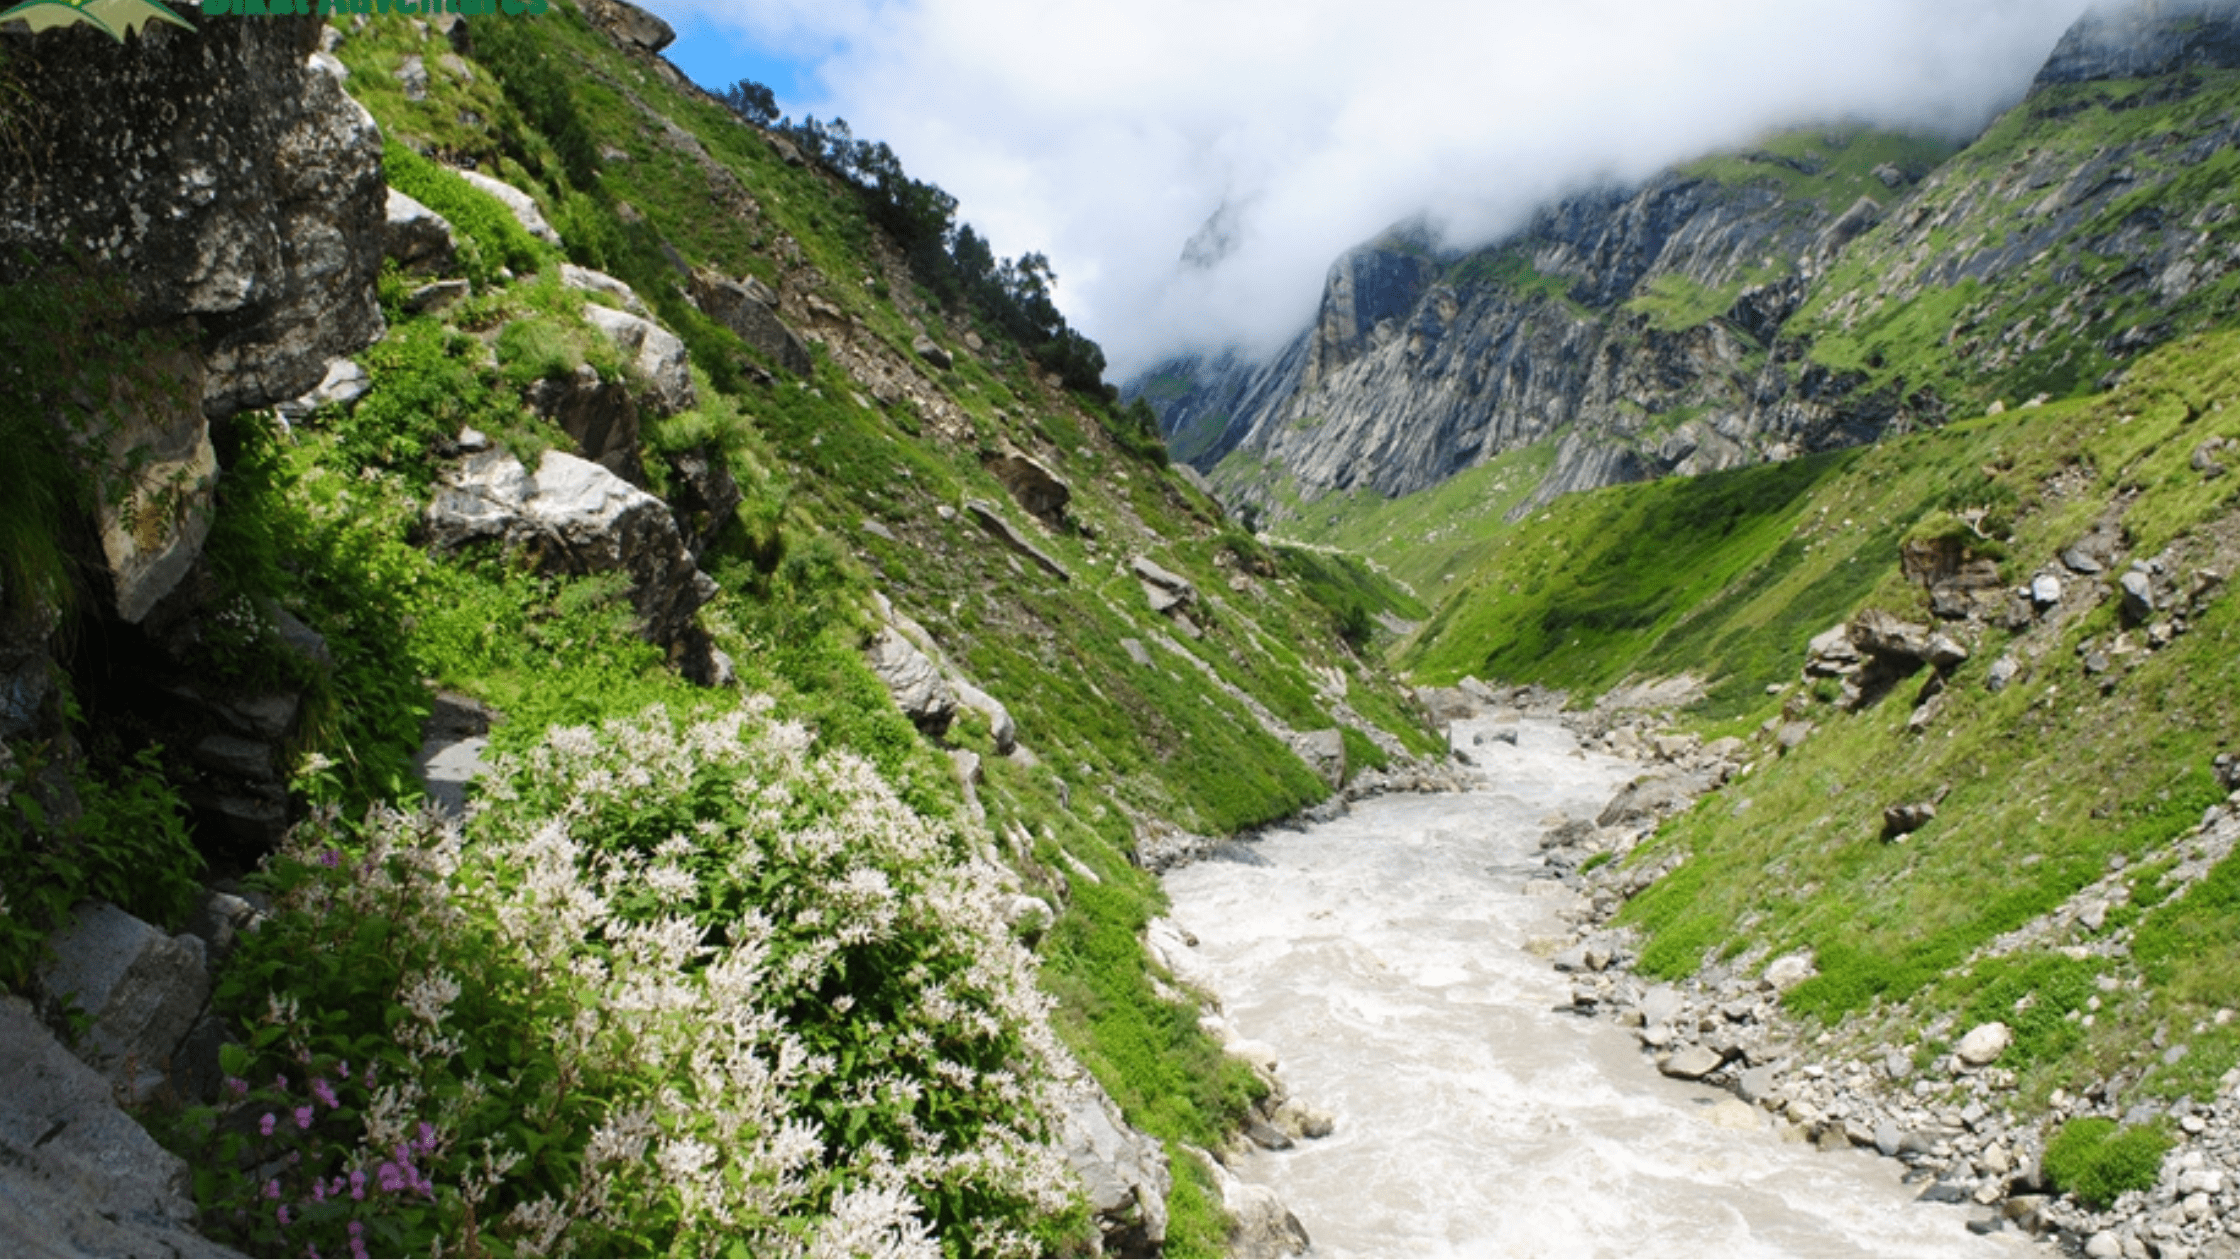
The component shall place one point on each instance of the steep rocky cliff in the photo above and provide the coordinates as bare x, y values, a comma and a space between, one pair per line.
1764, 304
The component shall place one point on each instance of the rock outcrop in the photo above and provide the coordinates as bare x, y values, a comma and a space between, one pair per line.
1671, 328
574, 517
83, 1178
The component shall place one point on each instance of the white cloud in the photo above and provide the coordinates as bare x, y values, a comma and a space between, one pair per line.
1106, 133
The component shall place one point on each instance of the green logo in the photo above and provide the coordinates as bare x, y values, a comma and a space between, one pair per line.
115, 17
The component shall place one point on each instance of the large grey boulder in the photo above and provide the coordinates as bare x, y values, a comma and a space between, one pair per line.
748, 308
1123, 1173
574, 517
82, 1178
586, 280
519, 204
1031, 483
258, 215
1259, 1223
1652, 796
631, 24
1324, 752
419, 239
655, 352
1167, 590
911, 677
141, 989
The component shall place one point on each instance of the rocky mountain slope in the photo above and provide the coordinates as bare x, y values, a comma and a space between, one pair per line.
804, 672
1757, 305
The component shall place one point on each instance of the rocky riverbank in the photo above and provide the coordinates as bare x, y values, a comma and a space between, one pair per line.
1952, 1115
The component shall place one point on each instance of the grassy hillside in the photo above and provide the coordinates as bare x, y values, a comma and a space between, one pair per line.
2095, 758
836, 854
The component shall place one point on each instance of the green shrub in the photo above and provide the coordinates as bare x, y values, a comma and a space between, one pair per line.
530, 350
2096, 1160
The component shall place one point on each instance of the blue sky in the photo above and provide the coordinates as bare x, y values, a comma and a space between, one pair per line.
1106, 132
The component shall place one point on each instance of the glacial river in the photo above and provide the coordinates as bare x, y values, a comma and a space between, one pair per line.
1383, 957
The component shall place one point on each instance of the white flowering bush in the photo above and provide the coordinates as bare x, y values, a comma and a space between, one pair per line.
687, 990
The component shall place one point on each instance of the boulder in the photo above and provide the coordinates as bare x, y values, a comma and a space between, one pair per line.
1123, 1173
344, 384
141, 989
574, 517
928, 349
911, 677
1167, 590
1259, 1223
1003, 531
631, 24
1790, 970
519, 204
2138, 595
655, 352
1652, 796
1984, 1043
1831, 654
585, 280
1904, 820
601, 416
258, 217
83, 1178
419, 239
2045, 590
1031, 483
1878, 633
1691, 1063
1001, 728
748, 308
437, 295
704, 497
1324, 752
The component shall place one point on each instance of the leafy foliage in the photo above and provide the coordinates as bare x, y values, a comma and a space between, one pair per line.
2097, 1160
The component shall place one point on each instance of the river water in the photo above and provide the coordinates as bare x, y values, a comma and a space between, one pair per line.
1383, 957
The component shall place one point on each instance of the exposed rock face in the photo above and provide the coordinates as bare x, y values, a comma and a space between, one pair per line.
417, 237
141, 988
1031, 482
248, 221
575, 517
1420, 365
585, 280
1669, 328
655, 352
83, 1178
748, 308
631, 24
911, 677
519, 204
600, 415
1123, 1172
2136, 41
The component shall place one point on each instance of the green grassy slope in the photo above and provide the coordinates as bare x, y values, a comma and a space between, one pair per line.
853, 485
2051, 780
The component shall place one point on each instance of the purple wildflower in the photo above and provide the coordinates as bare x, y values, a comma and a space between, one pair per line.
303, 1116
324, 1092
237, 1087
330, 857
427, 1145
272, 1188
264, 1126
392, 1178
318, 1190
280, 1081
357, 1183
282, 1214
342, 1069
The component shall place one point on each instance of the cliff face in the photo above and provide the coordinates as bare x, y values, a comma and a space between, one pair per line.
1760, 305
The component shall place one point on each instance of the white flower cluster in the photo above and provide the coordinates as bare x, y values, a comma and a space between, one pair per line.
756, 950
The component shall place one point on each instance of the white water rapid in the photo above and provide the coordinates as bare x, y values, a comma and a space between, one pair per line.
1382, 956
